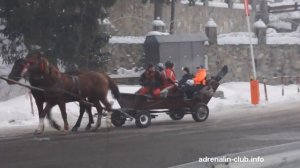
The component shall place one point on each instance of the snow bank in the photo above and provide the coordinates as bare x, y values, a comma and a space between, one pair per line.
238, 93
8, 91
236, 38
273, 38
282, 38
122, 72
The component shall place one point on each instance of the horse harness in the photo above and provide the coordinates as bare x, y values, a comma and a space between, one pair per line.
76, 87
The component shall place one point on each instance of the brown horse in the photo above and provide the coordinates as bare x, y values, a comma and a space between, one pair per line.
60, 88
39, 97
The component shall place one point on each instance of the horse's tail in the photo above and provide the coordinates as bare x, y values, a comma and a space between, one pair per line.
113, 87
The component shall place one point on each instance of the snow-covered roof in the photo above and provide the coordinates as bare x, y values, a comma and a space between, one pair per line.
156, 33
127, 39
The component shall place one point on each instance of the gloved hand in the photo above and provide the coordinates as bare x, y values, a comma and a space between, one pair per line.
190, 82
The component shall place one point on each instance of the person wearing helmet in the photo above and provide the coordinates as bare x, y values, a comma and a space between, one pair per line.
196, 83
151, 81
200, 77
160, 67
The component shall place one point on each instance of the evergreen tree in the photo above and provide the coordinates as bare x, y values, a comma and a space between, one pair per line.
68, 30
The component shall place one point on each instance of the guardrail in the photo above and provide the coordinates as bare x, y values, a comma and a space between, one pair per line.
284, 8
283, 80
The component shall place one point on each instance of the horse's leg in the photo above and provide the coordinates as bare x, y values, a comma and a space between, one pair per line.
109, 110
39, 105
81, 112
99, 110
62, 107
43, 113
91, 119
52, 122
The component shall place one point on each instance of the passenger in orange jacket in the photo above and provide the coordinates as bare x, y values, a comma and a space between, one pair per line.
197, 83
200, 77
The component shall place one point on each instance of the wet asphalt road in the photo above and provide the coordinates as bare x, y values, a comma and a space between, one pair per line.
163, 144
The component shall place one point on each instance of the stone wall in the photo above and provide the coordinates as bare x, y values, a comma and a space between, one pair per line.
271, 60
125, 55
134, 18
131, 17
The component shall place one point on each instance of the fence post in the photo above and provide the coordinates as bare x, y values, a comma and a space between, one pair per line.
265, 88
298, 83
260, 30
211, 31
264, 11
282, 83
205, 2
230, 3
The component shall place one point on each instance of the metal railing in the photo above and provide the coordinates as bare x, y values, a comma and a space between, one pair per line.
284, 8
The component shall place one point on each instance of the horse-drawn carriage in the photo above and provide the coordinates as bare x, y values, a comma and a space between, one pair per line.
50, 86
143, 108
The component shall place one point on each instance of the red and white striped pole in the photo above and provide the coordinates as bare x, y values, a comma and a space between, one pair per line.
254, 83
247, 13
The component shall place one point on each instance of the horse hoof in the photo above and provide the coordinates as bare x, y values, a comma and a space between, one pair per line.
88, 127
56, 126
64, 131
95, 129
37, 132
74, 129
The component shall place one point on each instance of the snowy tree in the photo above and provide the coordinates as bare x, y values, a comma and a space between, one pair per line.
64, 29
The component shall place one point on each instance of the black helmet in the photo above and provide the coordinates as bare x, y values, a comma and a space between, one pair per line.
200, 66
169, 64
186, 69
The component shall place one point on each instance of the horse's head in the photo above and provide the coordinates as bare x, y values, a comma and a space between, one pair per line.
16, 71
35, 65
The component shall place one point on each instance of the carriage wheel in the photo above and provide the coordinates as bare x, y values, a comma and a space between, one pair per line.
117, 119
143, 119
176, 114
200, 112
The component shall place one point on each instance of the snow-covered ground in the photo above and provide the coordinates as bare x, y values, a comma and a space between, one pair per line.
17, 111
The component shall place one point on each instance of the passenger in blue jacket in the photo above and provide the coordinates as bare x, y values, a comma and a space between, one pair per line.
187, 90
